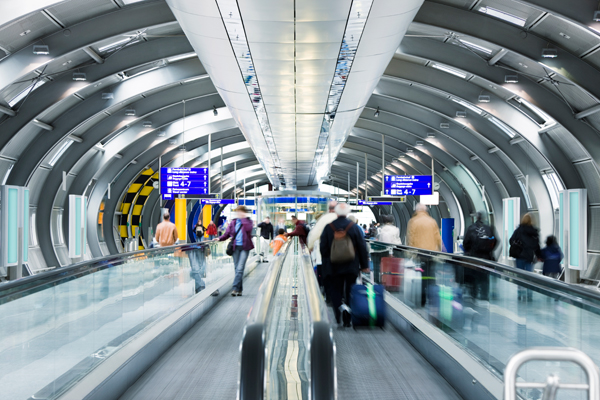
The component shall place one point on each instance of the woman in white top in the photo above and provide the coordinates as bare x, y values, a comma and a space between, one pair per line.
389, 233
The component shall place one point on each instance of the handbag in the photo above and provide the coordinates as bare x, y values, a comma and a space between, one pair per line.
516, 248
229, 250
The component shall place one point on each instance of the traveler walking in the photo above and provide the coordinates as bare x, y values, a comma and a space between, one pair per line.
551, 255
166, 232
324, 273
211, 230
480, 238
267, 232
200, 230
240, 232
301, 230
389, 233
353, 218
278, 241
423, 232
344, 250
525, 248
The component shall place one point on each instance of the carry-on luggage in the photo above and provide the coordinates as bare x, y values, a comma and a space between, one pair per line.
392, 270
367, 305
413, 279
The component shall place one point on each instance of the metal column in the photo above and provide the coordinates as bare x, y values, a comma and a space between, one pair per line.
366, 176
382, 164
209, 148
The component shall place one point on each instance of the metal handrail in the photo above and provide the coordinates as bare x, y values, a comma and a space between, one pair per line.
323, 382
553, 383
253, 347
523, 276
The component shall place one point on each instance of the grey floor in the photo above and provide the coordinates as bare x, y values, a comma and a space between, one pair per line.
380, 365
203, 364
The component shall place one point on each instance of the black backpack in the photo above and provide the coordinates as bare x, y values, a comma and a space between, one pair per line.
306, 228
484, 241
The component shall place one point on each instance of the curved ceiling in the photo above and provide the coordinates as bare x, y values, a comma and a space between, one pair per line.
467, 89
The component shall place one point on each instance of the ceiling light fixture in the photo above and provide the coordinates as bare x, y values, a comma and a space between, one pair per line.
597, 16
449, 70
161, 134
430, 134
181, 57
484, 98
419, 143
147, 124
376, 113
511, 79
549, 53
503, 15
79, 76
215, 111
461, 114
444, 125
130, 112
41, 50
476, 47
108, 96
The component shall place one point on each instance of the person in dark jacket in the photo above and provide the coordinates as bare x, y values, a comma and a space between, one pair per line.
551, 255
344, 275
526, 237
299, 231
240, 231
266, 229
480, 238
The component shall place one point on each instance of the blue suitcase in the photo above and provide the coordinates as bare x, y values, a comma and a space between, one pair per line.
367, 305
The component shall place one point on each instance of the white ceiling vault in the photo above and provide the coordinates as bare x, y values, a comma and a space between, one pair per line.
296, 75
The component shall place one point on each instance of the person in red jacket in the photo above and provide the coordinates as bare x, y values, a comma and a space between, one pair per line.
211, 230
300, 231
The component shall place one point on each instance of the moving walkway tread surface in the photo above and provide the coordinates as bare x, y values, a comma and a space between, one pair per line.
203, 364
381, 365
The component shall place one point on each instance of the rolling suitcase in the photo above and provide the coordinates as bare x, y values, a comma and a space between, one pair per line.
392, 270
367, 305
413, 279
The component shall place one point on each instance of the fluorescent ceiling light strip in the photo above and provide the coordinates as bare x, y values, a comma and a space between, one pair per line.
355, 26
449, 70
181, 57
468, 105
237, 37
476, 47
60, 152
25, 92
503, 15
537, 111
117, 44
503, 127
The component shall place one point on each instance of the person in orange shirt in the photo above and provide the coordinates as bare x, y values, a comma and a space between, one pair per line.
166, 232
279, 240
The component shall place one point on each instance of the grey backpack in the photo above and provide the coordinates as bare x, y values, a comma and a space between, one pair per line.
342, 248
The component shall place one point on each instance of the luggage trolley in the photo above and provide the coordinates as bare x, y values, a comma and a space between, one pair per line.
551, 386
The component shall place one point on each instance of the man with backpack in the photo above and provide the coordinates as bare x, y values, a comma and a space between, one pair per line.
302, 230
480, 239
344, 249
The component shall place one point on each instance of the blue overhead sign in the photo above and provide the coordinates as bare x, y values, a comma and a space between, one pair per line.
216, 201
408, 185
374, 203
186, 181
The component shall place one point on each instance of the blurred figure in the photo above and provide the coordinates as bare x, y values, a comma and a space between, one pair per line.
166, 232
372, 231
211, 230
267, 232
278, 241
389, 234
281, 225
324, 273
551, 255
525, 248
365, 230
353, 218
422, 231
199, 230
480, 238
344, 273
240, 232
301, 229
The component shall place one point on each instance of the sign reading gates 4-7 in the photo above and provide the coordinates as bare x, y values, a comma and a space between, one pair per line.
408, 185
187, 181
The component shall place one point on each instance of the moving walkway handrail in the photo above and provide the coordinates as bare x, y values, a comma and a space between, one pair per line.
519, 275
12, 289
252, 352
553, 384
323, 385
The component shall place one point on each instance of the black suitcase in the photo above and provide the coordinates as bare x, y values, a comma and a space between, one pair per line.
363, 313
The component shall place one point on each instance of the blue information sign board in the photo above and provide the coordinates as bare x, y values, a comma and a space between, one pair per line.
216, 201
374, 203
186, 181
411, 185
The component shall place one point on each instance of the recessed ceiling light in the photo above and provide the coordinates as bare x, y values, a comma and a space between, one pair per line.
172, 141
444, 125
511, 79
484, 98
108, 96
130, 112
147, 124
430, 134
41, 50
161, 134
79, 76
461, 114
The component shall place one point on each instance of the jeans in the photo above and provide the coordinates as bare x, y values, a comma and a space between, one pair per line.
198, 265
239, 260
341, 288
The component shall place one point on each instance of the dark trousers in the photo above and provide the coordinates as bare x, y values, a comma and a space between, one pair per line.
342, 286
325, 281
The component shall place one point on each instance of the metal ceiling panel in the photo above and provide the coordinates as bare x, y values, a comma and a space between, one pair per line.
519, 9
72, 12
575, 38
19, 33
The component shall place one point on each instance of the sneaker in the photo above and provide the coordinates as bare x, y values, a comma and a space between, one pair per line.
234, 293
215, 293
239, 293
346, 317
